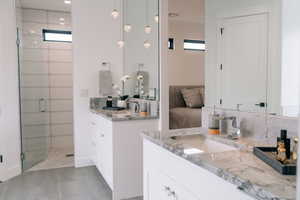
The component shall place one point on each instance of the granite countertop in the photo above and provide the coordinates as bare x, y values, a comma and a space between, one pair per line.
238, 166
122, 115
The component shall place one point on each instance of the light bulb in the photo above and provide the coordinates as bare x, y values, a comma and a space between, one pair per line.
147, 44
148, 29
115, 14
121, 43
156, 18
127, 28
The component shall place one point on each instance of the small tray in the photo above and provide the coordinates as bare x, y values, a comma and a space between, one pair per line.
264, 153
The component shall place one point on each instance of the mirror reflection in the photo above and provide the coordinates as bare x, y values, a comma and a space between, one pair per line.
141, 49
250, 52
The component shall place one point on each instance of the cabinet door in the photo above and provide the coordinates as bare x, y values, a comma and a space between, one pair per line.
99, 149
157, 187
92, 134
107, 152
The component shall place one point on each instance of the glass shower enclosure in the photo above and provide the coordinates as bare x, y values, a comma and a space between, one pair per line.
34, 96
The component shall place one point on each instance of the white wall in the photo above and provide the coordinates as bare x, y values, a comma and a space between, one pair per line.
9, 100
185, 67
290, 57
95, 36
219, 9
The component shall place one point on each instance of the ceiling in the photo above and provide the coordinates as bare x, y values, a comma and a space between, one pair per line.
57, 5
188, 10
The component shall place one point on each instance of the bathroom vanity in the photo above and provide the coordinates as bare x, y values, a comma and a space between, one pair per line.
198, 166
117, 149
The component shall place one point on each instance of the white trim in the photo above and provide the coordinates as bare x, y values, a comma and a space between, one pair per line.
7, 174
83, 162
164, 83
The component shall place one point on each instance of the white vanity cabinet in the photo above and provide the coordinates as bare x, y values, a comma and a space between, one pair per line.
168, 176
101, 139
117, 153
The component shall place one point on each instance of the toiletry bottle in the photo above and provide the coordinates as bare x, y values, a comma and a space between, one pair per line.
287, 142
295, 149
214, 123
281, 155
109, 101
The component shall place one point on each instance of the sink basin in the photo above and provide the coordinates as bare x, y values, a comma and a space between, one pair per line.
197, 144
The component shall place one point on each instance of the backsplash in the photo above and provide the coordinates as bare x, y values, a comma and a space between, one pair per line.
257, 125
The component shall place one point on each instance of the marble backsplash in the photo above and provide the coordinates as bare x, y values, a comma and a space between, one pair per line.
257, 125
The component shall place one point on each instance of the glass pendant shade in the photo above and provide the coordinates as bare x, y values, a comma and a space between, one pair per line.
121, 43
147, 44
156, 18
115, 14
127, 28
148, 29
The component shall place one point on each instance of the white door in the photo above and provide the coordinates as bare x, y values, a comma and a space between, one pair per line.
244, 62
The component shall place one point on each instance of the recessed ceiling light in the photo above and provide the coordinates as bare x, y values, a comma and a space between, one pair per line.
61, 19
68, 1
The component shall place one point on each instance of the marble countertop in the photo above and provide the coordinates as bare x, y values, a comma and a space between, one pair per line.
238, 166
122, 115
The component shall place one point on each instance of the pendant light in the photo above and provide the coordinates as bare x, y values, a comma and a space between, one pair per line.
147, 44
127, 27
148, 28
115, 13
156, 17
121, 42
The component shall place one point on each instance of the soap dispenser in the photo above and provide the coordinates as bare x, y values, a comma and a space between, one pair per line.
214, 123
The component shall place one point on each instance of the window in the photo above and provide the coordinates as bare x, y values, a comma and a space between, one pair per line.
57, 36
171, 43
194, 45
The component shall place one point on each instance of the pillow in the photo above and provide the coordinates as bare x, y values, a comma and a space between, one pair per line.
192, 97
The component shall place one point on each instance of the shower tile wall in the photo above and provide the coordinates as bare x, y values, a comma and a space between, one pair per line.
46, 69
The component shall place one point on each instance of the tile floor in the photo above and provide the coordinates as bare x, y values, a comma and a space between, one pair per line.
56, 159
57, 184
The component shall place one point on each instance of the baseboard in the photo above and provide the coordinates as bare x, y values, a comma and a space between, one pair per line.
10, 173
83, 162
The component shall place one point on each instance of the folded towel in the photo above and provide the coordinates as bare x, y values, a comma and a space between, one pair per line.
105, 83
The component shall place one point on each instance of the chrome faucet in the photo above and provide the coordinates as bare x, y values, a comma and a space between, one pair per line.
233, 131
135, 107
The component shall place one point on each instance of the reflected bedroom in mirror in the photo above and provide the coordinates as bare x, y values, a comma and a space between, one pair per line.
233, 69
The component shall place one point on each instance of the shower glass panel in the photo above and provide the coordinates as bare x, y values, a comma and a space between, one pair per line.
34, 98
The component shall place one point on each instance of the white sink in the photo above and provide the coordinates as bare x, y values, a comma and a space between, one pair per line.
197, 144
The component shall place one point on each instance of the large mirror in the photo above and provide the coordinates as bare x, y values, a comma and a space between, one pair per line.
141, 52
238, 55
138, 74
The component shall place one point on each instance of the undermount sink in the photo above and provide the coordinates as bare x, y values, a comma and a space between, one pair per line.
197, 144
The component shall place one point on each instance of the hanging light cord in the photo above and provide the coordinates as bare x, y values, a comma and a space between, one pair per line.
147, 12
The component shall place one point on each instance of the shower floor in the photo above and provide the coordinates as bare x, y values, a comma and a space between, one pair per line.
57, 158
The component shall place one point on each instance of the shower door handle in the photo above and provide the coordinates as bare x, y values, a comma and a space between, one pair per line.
42, 105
